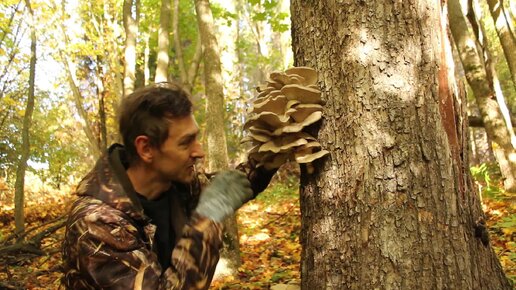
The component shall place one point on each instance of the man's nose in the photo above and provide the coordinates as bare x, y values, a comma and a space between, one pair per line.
197, 152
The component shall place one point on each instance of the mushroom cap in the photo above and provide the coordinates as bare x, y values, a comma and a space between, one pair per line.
261, 131
300, 112
296, 79
309, 147
286, 142
305, 157
308, 73
301, 93
267, 120
275, 104
273, 161
288, 102
260, 137
246, 139
280, 77
263, 88
274, 84
297, 127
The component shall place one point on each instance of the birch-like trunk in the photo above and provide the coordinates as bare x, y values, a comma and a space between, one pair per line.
507, 39
485, 97
163, 43
131, 30
216, 136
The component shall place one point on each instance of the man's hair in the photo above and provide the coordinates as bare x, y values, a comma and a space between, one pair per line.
148, 111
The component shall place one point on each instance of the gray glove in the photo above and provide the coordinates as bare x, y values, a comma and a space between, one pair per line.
228, 191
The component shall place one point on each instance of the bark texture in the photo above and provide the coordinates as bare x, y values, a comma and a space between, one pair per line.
392, 207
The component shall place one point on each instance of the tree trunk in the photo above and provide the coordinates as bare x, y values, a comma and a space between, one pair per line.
485, 97
217, 147
19, 185
187, 76
93, 144
177, 43
131, 30
507, 39
163, 43
393, 206
146, 54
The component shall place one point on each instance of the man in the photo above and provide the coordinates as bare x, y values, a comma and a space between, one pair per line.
145, 219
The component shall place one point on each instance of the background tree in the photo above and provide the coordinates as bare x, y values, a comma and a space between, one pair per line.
131, 31
19, 186
392, 207
215, 134
507, 37
476, 75
163, 43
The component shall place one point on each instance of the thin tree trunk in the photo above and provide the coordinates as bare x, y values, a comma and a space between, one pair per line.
146, 69
189, 75
102, 116
193, 70
163, 43
503, 31
177, 43
216, 136
131, 30
485, 97
392, 207
77, 97
19, 185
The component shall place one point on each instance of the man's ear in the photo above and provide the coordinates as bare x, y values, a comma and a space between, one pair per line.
144, 148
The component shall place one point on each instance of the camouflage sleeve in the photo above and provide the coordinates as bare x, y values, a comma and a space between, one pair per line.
196, 254
258, 176
103, 249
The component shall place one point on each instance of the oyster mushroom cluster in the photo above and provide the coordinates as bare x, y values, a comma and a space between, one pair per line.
284, 106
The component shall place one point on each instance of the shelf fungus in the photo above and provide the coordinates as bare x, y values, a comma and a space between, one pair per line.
286, 104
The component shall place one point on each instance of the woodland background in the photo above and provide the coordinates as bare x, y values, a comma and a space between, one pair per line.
65, 65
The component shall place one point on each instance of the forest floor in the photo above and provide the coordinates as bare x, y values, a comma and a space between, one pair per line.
269, 240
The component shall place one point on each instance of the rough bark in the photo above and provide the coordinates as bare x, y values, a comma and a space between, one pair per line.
216, 136
131, 30
392, 207
485, 97
507, 39
163, 43
19, 184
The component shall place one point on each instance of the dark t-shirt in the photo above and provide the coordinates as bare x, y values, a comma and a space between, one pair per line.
159, 212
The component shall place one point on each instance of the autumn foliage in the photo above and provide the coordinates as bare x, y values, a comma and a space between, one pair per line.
269, 230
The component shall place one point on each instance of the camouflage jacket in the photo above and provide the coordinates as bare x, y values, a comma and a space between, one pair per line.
109, 241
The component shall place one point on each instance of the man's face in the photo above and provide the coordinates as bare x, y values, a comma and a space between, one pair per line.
175, 159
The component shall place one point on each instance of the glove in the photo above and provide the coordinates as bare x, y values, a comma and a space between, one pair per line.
228, 191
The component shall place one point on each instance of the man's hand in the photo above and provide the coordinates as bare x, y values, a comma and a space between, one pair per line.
228, 191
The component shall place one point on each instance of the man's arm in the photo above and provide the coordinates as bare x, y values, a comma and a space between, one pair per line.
103, 249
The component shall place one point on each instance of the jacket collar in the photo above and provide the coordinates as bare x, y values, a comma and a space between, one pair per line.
108, 182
